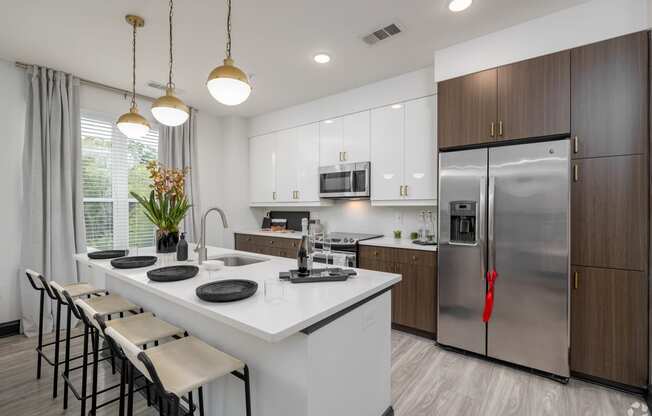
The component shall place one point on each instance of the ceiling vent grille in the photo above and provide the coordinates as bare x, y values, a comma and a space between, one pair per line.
161, 86
382, 34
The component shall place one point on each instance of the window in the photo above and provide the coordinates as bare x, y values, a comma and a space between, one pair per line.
112, 167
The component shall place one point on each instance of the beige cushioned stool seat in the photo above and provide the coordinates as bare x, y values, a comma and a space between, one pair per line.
110, 304
187, 363
75, 290
143, 328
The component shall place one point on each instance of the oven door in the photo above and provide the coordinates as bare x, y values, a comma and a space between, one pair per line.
337, 258
344, 181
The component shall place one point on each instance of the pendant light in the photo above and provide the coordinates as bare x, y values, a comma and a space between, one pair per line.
132, 124
227, 83
169, 109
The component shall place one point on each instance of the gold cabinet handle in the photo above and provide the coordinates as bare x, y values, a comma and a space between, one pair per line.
500, 128
492, 130
576, 278
297, 194
344, 156
576, 173
405, 190
401, 191
274, 196
576, 144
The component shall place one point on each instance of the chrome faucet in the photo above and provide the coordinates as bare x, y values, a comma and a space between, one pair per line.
201, 247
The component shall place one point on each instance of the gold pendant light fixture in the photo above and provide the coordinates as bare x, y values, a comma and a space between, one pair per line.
227, 83
132, 124
169, 109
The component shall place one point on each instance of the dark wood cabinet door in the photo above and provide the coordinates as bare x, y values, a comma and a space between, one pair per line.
534, 97
609, 325
466, 109
610, 96
609, 213
415, 297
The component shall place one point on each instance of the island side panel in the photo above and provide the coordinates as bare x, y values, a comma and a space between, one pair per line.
279, 385
350, 362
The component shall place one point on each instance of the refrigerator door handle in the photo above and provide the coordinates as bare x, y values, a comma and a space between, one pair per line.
481, 215
491, 215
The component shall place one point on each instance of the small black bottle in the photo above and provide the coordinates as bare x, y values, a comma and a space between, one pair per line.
302, 257
182, 248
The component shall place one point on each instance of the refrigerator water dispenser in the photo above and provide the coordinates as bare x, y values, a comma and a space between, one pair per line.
463, 222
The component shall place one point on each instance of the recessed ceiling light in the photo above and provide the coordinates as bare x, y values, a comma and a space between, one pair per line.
459, 5
322, 58
328, 121
396, 106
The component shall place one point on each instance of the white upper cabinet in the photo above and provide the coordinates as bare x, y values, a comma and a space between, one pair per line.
330, 142
355, 137
262, 168
420, 150
387, 130
286, 161
307, 150
403, 154
344, 139
284, 168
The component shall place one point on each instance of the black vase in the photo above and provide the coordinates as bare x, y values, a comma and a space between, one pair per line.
166, 242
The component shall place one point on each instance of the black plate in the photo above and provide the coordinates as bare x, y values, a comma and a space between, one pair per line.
133, 262
227, 290
173, 273
107, 254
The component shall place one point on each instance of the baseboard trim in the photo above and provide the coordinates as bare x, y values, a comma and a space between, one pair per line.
8, 329
417, 332
625, 388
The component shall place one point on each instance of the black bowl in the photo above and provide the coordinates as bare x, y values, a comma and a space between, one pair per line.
133, 262
107, 254
227, 290
173, 273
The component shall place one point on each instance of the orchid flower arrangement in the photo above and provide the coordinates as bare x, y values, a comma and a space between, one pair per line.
166, 204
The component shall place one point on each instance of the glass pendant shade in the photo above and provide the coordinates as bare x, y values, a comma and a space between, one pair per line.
228, 84
132, 124
170, 110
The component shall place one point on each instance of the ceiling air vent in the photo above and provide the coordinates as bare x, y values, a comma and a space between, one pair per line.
161, 86
381, 34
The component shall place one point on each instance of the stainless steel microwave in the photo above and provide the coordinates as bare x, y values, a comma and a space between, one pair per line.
348, 180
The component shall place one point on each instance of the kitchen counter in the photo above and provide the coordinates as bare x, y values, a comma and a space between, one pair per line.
311, 343
396, 243
261, 233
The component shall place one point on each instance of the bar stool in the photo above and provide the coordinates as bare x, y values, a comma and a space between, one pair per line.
142, 328
179, 367
41, 284
106, 305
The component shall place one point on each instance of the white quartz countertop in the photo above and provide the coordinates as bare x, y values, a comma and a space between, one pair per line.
396, 243
300, 305
261, 233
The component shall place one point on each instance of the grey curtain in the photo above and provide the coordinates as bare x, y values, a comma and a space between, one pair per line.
53, 221
177, 148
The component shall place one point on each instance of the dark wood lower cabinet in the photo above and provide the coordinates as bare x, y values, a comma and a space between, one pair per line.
609, 335
414, 298
271, 246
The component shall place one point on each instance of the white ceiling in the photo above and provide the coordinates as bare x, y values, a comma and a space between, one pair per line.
272, 39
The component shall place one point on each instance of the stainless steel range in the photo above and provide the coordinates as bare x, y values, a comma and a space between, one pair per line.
344, 248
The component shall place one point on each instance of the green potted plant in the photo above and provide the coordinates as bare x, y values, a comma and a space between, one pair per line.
166, 205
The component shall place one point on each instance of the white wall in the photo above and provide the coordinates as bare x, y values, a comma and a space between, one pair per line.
587, 23
12, 119
235, 176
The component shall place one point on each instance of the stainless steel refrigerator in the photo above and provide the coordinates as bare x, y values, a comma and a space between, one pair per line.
506, 210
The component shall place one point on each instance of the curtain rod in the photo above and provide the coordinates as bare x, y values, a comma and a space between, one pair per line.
97, 85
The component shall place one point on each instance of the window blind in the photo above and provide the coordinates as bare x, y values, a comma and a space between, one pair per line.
112, 167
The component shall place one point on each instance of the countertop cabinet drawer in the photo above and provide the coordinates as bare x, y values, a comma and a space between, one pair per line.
378, 253
416, 257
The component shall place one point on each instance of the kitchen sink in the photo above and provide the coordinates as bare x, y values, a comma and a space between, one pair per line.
235, 261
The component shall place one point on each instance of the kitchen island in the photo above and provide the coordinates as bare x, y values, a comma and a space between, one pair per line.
316, 349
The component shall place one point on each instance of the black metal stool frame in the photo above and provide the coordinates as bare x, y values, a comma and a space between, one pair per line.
90, 330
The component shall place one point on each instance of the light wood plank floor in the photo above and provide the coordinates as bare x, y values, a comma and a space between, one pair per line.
426, 381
